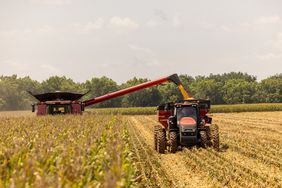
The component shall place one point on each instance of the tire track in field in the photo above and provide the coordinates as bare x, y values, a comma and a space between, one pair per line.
241, 173
148, 162
181, 170
253, 126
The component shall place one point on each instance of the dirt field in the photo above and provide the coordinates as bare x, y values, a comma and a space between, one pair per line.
250, 154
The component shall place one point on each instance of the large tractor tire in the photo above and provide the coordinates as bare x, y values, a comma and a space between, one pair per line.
213, 135
156, 130
161, 141
173, 142
204, 139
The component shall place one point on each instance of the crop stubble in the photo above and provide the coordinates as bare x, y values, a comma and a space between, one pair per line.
250, 156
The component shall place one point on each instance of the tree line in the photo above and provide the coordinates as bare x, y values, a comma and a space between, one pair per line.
227, 88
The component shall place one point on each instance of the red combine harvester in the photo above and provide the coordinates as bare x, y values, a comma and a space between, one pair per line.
68, 103
184, 123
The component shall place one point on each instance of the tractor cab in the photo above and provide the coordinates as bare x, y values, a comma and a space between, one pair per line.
186, 112
186, 118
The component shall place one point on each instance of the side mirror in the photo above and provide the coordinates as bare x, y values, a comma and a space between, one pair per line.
172, 119
33, 107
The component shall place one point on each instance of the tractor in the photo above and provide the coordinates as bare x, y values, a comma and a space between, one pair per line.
185, 123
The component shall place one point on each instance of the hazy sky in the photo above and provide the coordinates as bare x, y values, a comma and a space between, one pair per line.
120, 39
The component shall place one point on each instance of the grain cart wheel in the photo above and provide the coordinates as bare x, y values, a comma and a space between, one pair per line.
214, 136
156, 129
204, 139
173, 142
161, 141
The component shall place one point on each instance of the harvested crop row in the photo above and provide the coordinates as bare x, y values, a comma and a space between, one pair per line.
179, 170
247, 157
151, 175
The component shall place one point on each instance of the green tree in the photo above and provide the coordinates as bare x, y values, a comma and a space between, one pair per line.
102, 86
11, 93
232, 76
56, 83
239, 91
207, 89
270, 89
146, 97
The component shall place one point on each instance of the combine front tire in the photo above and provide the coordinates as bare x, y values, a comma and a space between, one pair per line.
161, 141
173, 142
214, 136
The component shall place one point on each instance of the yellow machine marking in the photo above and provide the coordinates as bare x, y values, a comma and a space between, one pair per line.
184, 93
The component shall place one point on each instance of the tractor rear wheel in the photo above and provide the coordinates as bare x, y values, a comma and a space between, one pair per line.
204, 139
214, 136
173, 142
156, 130
161, 141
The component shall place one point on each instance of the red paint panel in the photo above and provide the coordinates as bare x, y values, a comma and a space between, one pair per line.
41, 109
76, 109
203, 112
163, 116
188, 121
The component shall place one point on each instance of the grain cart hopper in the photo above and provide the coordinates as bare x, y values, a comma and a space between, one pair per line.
69, 103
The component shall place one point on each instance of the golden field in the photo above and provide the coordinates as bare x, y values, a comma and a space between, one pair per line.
102, 150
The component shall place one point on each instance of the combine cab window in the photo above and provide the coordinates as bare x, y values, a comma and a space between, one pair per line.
186, 111
59, 109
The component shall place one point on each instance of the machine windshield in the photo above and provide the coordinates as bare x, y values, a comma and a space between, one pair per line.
59, 109
186, 111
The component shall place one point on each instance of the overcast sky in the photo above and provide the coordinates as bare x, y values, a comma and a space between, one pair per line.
120, 39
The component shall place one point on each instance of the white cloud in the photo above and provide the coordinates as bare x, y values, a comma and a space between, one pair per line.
28, 33
51, 69
269, 56
153, 23
244, 26
176, 21
143, 56
14, 64
226, 28
278, 42
275, 50
126, 22
161, 15
208, 26
140, 49
51, 2
90, 26
268, 20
